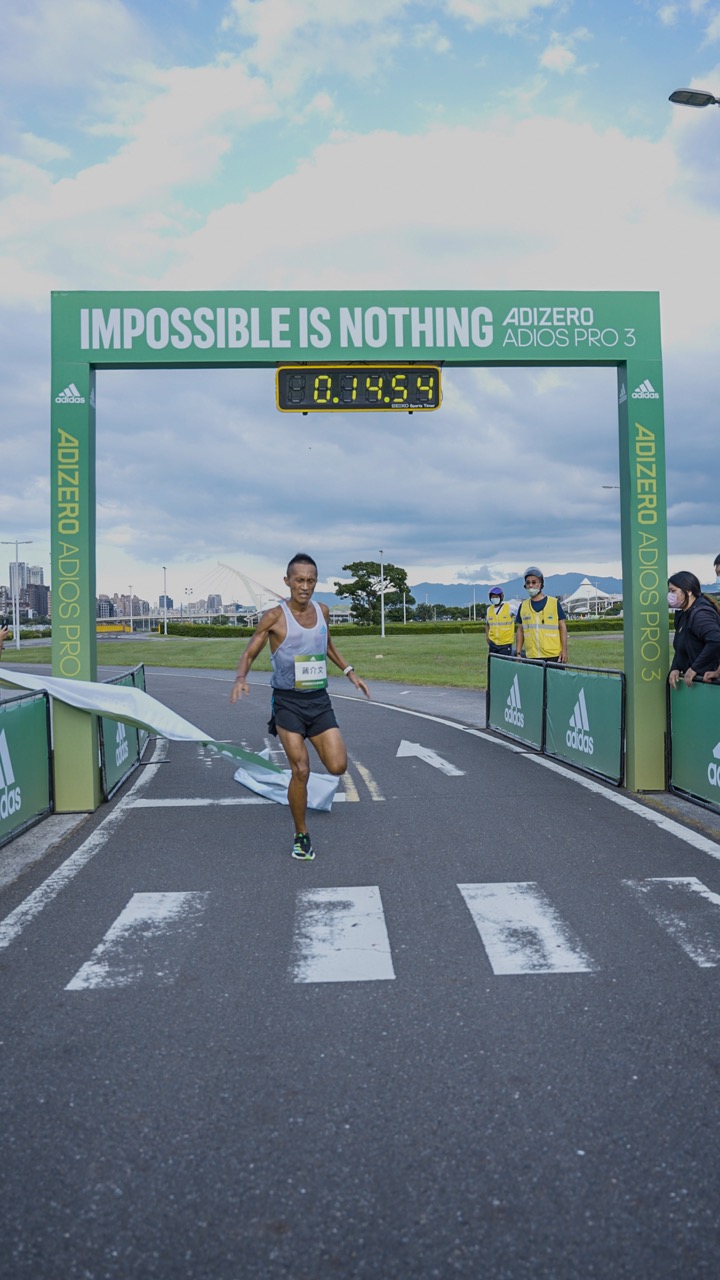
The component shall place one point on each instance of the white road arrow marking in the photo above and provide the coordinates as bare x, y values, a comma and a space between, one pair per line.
430, 757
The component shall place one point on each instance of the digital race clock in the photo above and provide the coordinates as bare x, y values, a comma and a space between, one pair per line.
307, 388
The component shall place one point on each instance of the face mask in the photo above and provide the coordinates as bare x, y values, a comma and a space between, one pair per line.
533, 591
675, 599
496, 600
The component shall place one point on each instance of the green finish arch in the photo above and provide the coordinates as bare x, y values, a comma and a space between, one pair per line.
214, 329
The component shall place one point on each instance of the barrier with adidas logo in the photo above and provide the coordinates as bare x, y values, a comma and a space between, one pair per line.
121, 745
516, 699
25, 772
694, 742
576, 714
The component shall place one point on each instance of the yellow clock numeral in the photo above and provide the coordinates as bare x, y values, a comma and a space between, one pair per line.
377, 388
427, 387
399, 384
322, 392
348, 383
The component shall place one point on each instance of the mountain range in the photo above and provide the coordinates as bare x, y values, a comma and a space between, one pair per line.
460, 594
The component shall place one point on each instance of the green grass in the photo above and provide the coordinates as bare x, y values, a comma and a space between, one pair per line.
458, 661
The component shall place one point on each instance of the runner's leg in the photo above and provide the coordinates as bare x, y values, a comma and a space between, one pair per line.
299, 761
331, 750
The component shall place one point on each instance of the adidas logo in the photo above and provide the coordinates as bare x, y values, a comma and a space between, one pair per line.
714, 769
10, 795
623, 394
70, 395
577, 735
122, 748
645, 391
513, 710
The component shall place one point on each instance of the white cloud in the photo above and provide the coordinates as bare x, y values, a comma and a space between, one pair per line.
42, 150
668, 14
500, 13
559, 56
51, 44
180, 139
712, 31
291, 41
430, 37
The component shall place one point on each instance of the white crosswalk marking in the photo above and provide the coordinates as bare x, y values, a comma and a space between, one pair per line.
340, 936
340, 933
521, 930
687, 910
136, 947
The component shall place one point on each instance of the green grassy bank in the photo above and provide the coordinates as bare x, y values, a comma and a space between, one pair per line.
454, 660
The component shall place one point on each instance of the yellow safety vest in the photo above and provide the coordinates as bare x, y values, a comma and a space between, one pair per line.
541, 629
501, 624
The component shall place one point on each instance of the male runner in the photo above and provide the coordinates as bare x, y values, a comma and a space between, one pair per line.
301, 708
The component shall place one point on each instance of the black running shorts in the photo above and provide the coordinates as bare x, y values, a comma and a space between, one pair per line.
305, 713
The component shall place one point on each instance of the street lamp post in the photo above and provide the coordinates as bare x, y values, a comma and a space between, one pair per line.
131, 613
26, 542
164, 569
382, 596
694, 98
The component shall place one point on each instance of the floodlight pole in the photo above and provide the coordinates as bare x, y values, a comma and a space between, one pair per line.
26, 542
131, 613
164, 569
382, 596
694, 98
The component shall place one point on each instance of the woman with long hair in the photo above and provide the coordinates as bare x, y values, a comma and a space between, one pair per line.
697, 630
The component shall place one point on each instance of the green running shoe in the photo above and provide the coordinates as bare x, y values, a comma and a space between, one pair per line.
302, 847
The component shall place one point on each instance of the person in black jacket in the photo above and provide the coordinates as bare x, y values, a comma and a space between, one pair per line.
697, 630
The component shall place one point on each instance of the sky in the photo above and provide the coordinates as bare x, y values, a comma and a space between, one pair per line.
364, 144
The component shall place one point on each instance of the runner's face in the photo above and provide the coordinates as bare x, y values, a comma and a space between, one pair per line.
301, 582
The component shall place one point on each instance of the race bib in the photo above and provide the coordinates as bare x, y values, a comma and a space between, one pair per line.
311, 671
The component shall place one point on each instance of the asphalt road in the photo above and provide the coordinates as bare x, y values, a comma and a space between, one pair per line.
477, 1037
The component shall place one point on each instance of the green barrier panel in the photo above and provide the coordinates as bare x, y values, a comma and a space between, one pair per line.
139, 682
119, 746
584, 719
25, 790
694, 719
515, 699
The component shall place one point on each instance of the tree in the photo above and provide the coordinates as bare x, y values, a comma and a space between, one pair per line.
364, 589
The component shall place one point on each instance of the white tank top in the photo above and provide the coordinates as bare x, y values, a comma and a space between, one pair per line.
300, 662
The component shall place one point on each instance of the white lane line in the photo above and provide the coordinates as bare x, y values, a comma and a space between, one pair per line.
370, 783
521, 930
186, 802
687, 910
340, 936
350, 792
136, 945
703, 843
14, 924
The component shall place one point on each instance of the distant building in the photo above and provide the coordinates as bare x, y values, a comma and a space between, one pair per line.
166, 602
22, 577
35, 575
38, 599
214, 604
104, 607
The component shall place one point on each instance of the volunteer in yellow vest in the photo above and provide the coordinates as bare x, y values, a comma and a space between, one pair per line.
542, 629
500, 623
